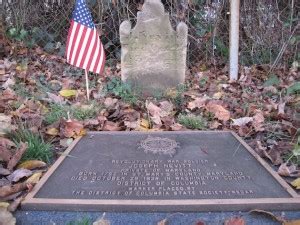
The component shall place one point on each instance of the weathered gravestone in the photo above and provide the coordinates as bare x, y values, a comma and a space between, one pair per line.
161, 171
153, 54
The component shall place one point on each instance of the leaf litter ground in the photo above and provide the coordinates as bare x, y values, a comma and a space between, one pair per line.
44, 96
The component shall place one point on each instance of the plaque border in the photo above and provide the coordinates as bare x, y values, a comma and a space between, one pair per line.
186, 205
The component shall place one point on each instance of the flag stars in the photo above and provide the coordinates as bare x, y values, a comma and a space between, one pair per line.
82, 14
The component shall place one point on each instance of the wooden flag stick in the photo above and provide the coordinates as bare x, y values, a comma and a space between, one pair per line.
87, 85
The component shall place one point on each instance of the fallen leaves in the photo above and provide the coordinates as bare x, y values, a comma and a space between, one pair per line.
288, 171
198, 103
68, 93
31, 164
158, 113
73, 128
235, 221
17, 156
258, 121
12, 189
242, 121
19, 174
5, 124
219, 111
5, 153
277, 218
296, 183
33, 179
6, 218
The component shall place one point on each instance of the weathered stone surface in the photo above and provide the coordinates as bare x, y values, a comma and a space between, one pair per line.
153, 54
161, 171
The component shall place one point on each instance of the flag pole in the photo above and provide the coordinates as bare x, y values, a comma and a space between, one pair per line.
87, 85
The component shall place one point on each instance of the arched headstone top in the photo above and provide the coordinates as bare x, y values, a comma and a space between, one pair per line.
153, 53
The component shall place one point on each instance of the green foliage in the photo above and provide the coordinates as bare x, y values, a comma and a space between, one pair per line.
34, 36
37, 147
192, 122
85, 113
293, 89
57, 111
123, 90
177, 97
21, 90
21, 35
203, 81
83, 221
221, 48
295, 155
273, 80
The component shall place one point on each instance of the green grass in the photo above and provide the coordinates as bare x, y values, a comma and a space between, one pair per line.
177, 97
123, 90
37, 147
192, 122
21, 90
57, 111
83, 221
294, 156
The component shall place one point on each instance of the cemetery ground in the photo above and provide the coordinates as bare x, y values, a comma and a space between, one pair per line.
43, 108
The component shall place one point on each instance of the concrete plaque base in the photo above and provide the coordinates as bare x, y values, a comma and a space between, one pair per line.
161, 171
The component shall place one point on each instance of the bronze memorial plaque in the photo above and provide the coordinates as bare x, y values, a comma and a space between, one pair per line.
161, 171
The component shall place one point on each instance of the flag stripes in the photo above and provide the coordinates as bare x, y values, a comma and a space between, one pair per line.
84, 48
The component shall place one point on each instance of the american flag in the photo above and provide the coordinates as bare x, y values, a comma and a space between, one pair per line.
84, 48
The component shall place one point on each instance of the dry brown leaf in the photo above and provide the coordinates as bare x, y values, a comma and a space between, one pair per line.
163, 222
102, 221
281, 107
291, 222
219, 111
197, 103
32, 164
6, 142
91, 122
166, 108
131, 124
5, 123
52, 131
177, 127
241, 121
12, 189
73, 128
235, 221
277, 218
55, 98
155, 113
111, 126
5, 154
296, 183
214, 124
4, 205
66, 142
273, 155
19, 174
17, 156
6, 218
4, 172
144, 124
200, 222
110, 102
14, 205
34, 178
258, 121
287, 171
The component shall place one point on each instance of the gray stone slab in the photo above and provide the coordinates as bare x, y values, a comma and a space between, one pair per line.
161, 171
153, 54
